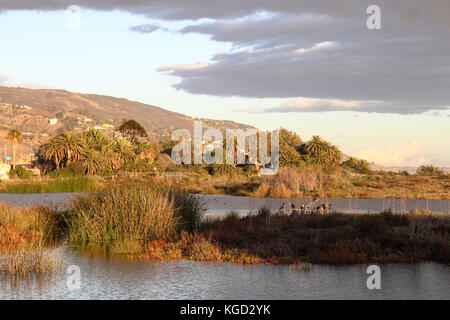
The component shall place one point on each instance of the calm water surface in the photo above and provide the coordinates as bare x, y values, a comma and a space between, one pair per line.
103, 278
223, 204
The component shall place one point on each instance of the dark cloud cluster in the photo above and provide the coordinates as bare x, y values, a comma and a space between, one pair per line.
146, 28
308, 48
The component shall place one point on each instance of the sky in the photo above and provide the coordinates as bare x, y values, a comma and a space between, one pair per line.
308, 66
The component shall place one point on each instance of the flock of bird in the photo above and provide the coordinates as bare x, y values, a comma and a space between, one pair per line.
308, 208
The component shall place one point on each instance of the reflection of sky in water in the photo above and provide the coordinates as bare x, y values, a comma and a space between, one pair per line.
223, 204
113, 279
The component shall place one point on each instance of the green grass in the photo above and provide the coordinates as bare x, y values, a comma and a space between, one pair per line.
77, 184
121, 214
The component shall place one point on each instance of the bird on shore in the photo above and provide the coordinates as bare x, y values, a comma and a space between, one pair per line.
293, 204
283, 205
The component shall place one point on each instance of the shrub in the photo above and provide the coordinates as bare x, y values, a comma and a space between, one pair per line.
62, 173
21, 173
429, 171
222, 169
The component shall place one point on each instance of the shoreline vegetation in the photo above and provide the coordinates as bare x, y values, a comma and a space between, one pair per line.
145, 222
88, 160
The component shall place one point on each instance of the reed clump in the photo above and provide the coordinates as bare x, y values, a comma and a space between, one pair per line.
27, 263
20, 226
24, 233
121, 214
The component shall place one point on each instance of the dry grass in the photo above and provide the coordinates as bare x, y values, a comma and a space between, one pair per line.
27, 263
20, 226
291, 182
24, 232
336, 238
197, 247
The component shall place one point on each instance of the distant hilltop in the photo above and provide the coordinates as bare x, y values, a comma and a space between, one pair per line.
45, 112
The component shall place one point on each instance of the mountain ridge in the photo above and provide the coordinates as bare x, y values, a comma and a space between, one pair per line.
32, 110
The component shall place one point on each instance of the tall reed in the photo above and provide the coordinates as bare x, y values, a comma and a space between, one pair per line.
126, 214
24, 232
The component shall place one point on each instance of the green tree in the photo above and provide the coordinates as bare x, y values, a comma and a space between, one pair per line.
92, 162
322, 152
51, 151
132, 129
124, 150
71, 145
96, 139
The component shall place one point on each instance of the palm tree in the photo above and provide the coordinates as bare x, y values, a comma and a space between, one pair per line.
96, 139
124, 150
92, 162
71, 146
322, 159
52, 151
14, 137
315, 145
110, 158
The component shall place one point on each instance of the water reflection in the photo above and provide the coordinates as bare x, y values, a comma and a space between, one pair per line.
223, 204
105, 278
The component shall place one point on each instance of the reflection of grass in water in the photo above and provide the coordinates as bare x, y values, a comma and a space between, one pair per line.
24, 233
77, 184
301, 266
26, 263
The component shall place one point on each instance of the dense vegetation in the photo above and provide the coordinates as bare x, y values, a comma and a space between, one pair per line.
312, 168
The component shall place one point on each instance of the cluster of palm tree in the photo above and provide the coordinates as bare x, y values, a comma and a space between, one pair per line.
358, 165
293, 152
321, 152
96, 153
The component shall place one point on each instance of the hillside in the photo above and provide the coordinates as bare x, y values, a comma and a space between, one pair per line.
31, 111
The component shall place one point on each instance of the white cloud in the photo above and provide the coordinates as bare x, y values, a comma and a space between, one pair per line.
317, 46
184, 67
407, 155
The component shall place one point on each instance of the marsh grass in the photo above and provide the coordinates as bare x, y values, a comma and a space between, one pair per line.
29, 263
336, 238
25, 226
24, 234
75, 184
197, 247
126, 215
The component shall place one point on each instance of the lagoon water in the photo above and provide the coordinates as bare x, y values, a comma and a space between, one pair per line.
103, 278
223, 204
